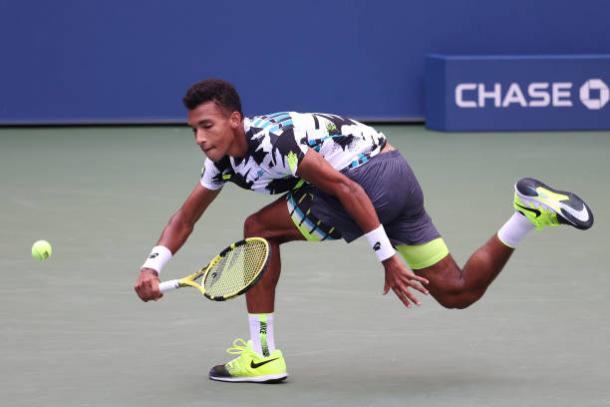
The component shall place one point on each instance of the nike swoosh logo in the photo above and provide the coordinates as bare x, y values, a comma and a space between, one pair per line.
582, 215
525, 208
257, 365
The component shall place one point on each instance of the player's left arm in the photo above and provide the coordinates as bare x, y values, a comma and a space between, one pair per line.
317, 171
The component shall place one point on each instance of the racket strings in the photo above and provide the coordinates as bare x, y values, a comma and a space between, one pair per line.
236, 270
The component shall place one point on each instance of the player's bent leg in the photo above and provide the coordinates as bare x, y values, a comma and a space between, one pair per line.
450, 285
537, 206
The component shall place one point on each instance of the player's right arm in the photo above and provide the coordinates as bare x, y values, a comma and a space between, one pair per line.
174, 235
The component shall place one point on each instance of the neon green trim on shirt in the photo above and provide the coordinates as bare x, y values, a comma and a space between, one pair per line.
293, 161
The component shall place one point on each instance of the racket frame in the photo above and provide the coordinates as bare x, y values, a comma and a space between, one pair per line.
189, 281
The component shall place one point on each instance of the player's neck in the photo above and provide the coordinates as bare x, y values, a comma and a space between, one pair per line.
239, 147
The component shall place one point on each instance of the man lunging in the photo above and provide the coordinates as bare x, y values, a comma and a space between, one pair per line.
340, 179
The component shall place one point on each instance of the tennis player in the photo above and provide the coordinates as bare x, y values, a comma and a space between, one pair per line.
339, 179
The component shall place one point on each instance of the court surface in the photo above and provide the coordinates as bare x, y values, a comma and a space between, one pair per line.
73, 332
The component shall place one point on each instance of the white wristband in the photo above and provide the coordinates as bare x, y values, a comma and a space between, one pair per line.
158, 258
380, 243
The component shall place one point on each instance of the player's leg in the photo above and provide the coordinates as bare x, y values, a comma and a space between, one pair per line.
259, 360
273, 223
537, 206
450, 285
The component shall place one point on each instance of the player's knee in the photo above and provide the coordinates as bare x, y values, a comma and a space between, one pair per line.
253, 226
460, 300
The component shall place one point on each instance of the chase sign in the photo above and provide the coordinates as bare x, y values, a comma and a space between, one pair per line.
517, 93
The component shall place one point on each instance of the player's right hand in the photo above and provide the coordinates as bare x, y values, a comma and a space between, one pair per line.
147, 285
400, 279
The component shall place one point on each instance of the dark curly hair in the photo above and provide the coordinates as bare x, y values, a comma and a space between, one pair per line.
217, 90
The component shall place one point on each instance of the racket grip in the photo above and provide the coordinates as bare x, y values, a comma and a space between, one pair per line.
168, 286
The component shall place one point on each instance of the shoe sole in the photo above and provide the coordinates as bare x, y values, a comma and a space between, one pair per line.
258, 379
574, 211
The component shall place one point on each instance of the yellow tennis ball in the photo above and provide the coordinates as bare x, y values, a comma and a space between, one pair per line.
41, 250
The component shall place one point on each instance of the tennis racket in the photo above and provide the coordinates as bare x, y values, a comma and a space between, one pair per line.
232, 272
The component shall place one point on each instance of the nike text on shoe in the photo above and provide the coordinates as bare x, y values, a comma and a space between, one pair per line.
249, 366
545, 206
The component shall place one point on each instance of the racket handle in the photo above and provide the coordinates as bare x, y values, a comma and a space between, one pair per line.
168, 286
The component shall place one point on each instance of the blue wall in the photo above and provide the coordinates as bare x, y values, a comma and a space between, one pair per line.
131, 61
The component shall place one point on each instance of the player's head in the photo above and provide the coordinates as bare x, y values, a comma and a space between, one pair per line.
215, 115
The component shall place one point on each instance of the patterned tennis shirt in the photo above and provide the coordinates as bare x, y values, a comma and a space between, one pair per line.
277, 143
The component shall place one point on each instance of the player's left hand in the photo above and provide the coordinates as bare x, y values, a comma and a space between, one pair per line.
400, 279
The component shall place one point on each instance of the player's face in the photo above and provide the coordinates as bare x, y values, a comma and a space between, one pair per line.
214, 129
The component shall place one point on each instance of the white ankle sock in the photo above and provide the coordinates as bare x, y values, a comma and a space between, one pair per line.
261, 333
514, 230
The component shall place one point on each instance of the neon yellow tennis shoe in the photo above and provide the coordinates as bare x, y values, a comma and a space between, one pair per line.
249, 366
545, 206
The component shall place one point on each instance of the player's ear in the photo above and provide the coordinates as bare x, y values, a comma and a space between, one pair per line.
235, 119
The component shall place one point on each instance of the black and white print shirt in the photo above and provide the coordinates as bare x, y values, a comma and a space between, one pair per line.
278, 142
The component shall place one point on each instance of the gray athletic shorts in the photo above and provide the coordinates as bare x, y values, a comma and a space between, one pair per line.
394, 191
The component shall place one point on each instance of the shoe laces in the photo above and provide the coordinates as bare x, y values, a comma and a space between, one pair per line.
239, 346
